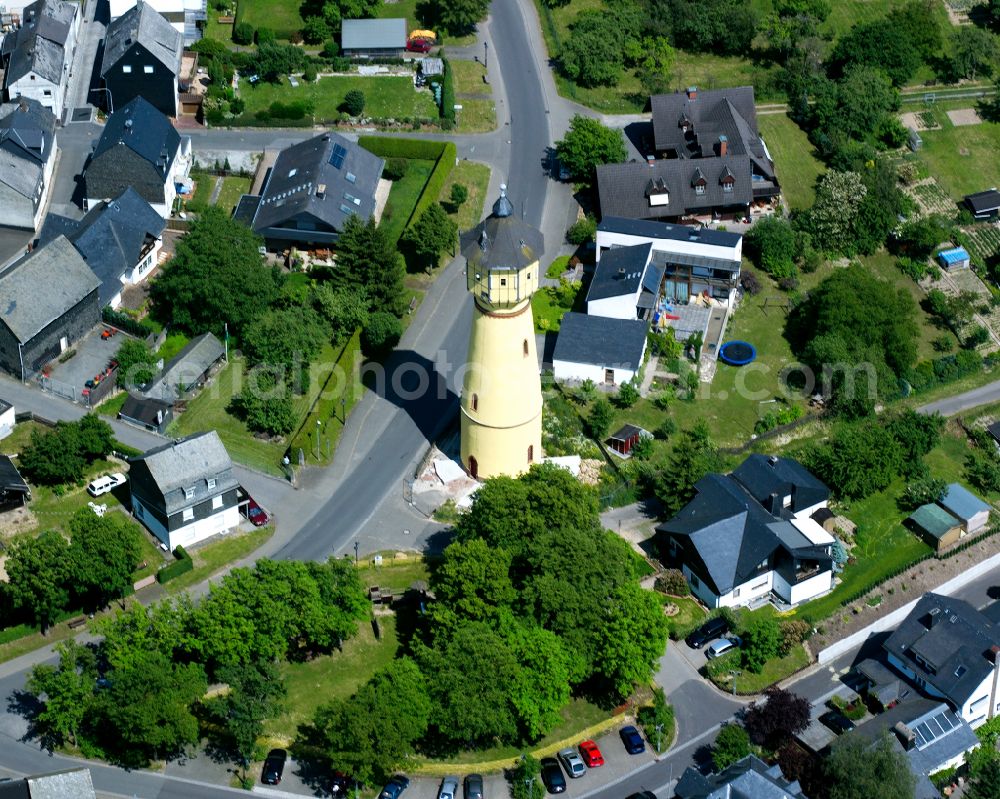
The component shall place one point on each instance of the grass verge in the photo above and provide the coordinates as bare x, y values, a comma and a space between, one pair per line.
796, 165
210, 558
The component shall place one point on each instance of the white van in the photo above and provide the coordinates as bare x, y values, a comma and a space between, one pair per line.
104, 484
721, 646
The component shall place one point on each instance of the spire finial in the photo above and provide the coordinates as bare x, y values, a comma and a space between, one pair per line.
502, 207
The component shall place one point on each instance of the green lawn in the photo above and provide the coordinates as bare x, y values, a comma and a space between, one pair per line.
394, 574
403, 197
796, 165
281, 16
204, 183
111, 407
20, 437
963, 159
233, 187
691, 613
476, 178
222, 551
476, 116
749, 683
388, 96
547, 309
172, 344
53, 511
468, 77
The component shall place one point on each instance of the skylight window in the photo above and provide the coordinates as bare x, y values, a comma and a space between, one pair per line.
293, 172
351, 177
338, 156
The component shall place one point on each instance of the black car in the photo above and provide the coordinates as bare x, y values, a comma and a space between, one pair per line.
274, 767
394, 787
552, 776
630, 736
837, 722
474, 786
642, 795
709, 631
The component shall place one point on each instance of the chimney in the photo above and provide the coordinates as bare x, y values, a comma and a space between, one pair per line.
692, 92
993, 655
907, 737
773, 460
723, 146
650, 161
621, 271
933, 617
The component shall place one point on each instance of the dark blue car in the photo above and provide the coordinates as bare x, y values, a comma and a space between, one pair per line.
394, 787
634, 744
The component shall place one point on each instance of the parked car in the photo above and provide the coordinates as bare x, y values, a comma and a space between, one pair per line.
274, 767
255, 513
630, 736
552, 776
473, 786
419, 45
105, 483
642, 795
449, 788
711, 629
719, 648
572, 763
394, 787
591, 754
837, 722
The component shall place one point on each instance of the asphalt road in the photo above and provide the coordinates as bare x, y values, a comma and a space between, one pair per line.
949, 406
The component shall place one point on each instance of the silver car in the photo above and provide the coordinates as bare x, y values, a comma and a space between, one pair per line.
449, 788
572, 762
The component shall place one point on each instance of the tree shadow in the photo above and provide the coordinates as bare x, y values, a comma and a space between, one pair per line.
28, 706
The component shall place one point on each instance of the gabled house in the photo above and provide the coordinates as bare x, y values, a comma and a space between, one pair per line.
188, 370
952, 651
49, 301
626, 284
185, 491
366, 38
955, 515
142, 57
183, 15
120, 240
151, 414
749, 778
749, 535
40, 52
138, 148
694, 262
311, 191
14, 492
607, 350
27, 160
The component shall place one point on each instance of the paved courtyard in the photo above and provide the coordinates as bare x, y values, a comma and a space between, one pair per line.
92, 355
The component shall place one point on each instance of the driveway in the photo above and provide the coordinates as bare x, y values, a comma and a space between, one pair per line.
92, 356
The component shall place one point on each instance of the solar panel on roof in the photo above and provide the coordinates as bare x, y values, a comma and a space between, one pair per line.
338, 156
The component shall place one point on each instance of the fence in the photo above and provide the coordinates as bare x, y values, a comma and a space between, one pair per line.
59, 388
772, 433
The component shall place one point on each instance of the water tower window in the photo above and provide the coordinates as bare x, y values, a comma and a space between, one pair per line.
525, 348
503, 281
475, 402
531, 453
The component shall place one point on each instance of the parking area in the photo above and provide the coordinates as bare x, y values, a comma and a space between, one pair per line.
91, 358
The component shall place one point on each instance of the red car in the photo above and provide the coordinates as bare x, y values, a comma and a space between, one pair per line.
419, 45
256, 514
591, 754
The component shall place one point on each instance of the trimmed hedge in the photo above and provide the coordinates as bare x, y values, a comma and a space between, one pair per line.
124, 450
136, 327
447, 96
182, 565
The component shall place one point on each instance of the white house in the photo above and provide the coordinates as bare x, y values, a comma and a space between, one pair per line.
6, 419
952, 651
42, 53
183, 15
692, 262
27, 159
750, 534
185, 491
606, 350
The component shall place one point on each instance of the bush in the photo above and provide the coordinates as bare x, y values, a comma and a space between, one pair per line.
354, 102
749, 282
628, 395
264, 36
732, 744
666, 429
599, 419
672, 581
309, 74
243, 33
659, 714
395, 169
331, 49
793, 633
447, 94
182, 565
459, 194
381, 333
582, 231
761, 642
137, 327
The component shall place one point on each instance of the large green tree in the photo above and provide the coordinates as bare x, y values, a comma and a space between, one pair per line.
104, 553
255, 694
286, 336
631, 640
879, 43
457, 17
368, 260
731, 745
472, 581
860, 459
216, 277
857, 767
433, 233
66, 692
38, 573
691, 458
975, 53
586, 145
772, 245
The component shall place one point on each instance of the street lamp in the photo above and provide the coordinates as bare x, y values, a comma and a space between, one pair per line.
343, 410
319, 426
355, 553
735, 673
659, 729
486, 54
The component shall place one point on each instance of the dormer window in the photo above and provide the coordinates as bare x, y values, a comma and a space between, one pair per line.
189, 493
727, 187
698, 181
211, 482
656, 192
726, 180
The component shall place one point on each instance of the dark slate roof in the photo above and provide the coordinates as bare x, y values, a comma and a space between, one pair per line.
189, 462
43, 286
10, 477
933, 520
665, 231
144, 409
624, 189
502, 241
626, 432
328, 177
749, 778
143, 129
994, 430
601, 341
142, 24
246, 208
763, 475
5, 406
371, 34
983, 201
110, 237
953, 637
27, 141
619, 272
961, 502
40, 42
185, 368
886, 684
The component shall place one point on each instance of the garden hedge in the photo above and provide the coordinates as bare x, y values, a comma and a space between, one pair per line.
182, 565
125, 322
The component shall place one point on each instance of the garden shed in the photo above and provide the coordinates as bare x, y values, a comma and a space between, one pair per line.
954, 258
935, 525
624, 439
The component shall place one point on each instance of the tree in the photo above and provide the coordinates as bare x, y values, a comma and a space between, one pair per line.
916, 433
103, 554
265, 404
856, 767
459, 194
136, 364
272, 60
52, 457
628, 395
777, 718
880, 43
761, 643
65, 691
371, 733
772, 245
982, 470
859, 459
472, 581
588, 144
315, 30
599, 418
984, 782
831, 218
923, 491
94, 438
631, 640
285, 337
691, 458
582, 231
432, 234
243, 33
354, 102
657, 720
456, 17
920, 237
382, 332
342, 309
38, 571
216, 251
368, 260
593, 54
865, 98
718, 26
255, 694
732, 744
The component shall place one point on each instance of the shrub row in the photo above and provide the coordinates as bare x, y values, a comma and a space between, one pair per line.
438, 177
448, 96
182, 565
943, 370
137, 327
387, 147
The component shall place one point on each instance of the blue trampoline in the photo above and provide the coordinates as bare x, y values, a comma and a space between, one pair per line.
737, 353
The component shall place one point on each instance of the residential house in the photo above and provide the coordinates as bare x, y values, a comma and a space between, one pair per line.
27, 160
138, 148
183, 15
76, 783
14, 492
952, 651
695, 263
984, 204
313, 188
185, 491
146, 412
120, 240
50, 301
749, 778
142, 57
366, 38
39, 54
750, 535
625, 284
187, 371
606, 350
7, 419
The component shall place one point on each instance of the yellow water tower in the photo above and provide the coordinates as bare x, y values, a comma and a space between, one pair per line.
502, 391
